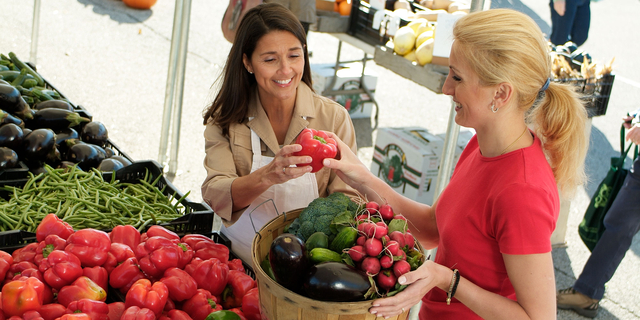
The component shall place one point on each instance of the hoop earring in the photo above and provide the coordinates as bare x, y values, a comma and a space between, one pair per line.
493, 108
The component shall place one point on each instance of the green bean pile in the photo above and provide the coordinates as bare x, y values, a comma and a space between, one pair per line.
86, 200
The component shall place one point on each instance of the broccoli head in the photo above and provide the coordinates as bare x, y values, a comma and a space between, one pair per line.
319, 214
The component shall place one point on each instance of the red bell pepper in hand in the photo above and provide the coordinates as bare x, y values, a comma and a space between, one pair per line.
75, 316
137, 313
118, 253
210, 274
82, 288
251, 305
97, 310
236, 264
175, 314
26, 253
6, 260
51, 224
116, 309
125, 275
160, 231
146, 295
239, 283
318, 145
99, 275
158, 254
45, 247
180, 284
20, 296
207, 250
52, 311
125, 234
91, 246
201, 305
60, 269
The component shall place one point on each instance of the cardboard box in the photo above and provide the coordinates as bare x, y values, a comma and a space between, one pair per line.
348, 78
326, 5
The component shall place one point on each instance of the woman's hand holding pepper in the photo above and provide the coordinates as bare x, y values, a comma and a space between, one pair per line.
280, 170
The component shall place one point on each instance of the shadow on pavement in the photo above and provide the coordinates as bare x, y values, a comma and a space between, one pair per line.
519, 6
118, 11
598, 160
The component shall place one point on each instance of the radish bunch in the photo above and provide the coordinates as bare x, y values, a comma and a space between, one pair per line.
385, 248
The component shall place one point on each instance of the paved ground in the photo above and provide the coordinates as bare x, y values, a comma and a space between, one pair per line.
113, 60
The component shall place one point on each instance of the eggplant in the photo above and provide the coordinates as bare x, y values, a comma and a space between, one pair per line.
4, 82
122, 159
8, 158
87, 156
337, 282
11, 136
40, 145
66, 164
65, 134
95, 132
109, 151
55, 119
55, 104
6, 118
109, 165
26, 131
12, 102
288, 260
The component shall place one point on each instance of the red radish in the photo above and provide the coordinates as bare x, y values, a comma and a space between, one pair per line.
371, 265
367, 229
402, 255
362, 217
386, 212
381, 230
372, 207
385, 239
409, 240
357, 253
401, 267
361, 239
393, 247
386, 262
386, 280
373, 247
399, 216
398, 237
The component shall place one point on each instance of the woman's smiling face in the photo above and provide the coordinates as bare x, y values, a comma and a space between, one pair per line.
277, 64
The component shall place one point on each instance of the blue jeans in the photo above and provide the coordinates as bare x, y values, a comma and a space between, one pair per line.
621, 222
574, 25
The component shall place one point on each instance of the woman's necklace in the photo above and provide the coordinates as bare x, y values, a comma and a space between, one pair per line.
512, 143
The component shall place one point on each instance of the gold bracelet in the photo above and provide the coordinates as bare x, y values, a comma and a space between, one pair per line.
453, 286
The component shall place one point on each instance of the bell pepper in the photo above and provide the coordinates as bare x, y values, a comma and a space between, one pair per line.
201, 305
75, 316
210, 274
116, 309
99, 275
238, 284
207, 250
91, 246
45, 247
97, 310
20, 296
137, 313
29, 315
125, 234
143, 294
6, 260
118, 253
175, 314
192, 239
180, 284
82, 288
51, 224
60, 268
186, 255
158, 254
236, 264
160, 231
251, 304
16, 269
125, 275
47, 295
26, 253
239, 312
52, 311
170, 305
223, 315
318, 145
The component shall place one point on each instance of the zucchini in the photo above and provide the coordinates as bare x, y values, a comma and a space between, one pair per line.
320, 255
21, 65
346, 238
4, 68
10, 75
20, 78
317, 240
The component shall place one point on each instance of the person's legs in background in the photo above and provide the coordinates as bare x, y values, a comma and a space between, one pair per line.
561, 26
581, 23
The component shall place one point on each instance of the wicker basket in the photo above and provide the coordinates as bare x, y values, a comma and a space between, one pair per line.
277, 302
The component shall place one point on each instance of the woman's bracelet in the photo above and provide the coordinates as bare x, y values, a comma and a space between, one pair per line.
453, 286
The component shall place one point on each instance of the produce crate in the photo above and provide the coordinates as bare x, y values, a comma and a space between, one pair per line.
361, 24
330, 21
17, 172
596, 92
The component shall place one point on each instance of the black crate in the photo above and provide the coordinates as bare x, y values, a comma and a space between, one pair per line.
15, 173
594, 91
361, 24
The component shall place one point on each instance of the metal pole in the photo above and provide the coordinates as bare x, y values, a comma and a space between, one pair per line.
181, 70
171, 83
35, 26
446, 162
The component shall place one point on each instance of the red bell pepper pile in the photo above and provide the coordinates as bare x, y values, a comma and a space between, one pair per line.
66, 275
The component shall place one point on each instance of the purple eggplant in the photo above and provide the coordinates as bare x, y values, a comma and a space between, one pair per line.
55, 119
109, 165
109, 151
122, 159
12, 102
6, 118
96, 133
87, 156
11, 136
8, 158
40, 145
66, 134
55, 104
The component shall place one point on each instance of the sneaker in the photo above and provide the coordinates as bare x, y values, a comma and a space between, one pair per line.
578, 302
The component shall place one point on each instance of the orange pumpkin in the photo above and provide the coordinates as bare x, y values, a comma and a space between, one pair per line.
140, 4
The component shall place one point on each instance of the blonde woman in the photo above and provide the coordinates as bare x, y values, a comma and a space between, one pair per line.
493, 222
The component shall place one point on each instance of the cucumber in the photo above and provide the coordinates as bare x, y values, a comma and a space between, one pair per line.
4, 68
317, 240
319, 255
346, 238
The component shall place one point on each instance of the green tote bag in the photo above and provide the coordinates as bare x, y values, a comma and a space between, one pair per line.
592, 226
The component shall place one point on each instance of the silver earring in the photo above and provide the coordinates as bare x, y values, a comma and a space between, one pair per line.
493, 108
249, 72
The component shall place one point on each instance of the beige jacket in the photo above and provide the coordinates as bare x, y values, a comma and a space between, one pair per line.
230, 157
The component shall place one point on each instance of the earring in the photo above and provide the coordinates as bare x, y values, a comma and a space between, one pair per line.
493, 107
249, 72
